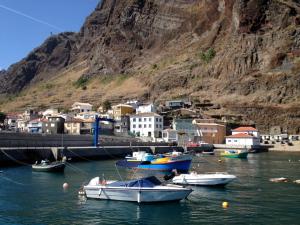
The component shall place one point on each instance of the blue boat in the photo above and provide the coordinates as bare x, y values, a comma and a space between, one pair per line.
145, 161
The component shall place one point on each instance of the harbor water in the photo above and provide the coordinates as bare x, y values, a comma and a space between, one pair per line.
28, 197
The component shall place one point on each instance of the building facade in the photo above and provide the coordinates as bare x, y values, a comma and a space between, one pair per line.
122, 110
210, 131
79, 107
242, 139
54, 125
147, 125
246, 130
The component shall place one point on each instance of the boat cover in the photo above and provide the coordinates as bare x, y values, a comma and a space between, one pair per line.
143, 182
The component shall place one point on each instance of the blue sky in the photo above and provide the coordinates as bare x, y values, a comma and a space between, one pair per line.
25, 24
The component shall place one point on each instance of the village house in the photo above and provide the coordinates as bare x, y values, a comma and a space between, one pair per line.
170, 136
242, 139
36, 125
73, 126
186, 130
146, 125
147, 108
244, 136
79, 107
54, 125
122, 110
210, 131
122, 126
246, 130
177, 104
10, 121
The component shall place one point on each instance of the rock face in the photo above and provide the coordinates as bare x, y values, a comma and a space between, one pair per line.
255, 44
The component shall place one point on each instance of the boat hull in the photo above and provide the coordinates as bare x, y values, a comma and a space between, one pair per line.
242, 155
54, 168
168, 166
136, 194
204, 179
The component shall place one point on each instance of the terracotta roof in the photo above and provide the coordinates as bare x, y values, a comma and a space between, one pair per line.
241, 135
74, 120
242, 129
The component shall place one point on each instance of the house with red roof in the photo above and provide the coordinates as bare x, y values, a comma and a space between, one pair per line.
244, 136
246, 130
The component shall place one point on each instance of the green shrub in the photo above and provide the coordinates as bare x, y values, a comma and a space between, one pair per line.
81, 82
208, 55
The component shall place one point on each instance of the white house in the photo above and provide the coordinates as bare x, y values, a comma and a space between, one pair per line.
81, 107
87, 115
246, 130
146, 125
242, 139
149, 108
50, 112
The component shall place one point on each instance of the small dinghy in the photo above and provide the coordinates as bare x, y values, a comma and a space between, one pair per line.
278, 180
47, 166
209, 179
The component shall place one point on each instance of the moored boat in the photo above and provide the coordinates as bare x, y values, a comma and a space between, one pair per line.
47, 166
208, 179
146, 161
148, 189
235, 154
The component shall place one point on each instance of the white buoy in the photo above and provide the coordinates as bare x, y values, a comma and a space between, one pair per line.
65, 186
297, 181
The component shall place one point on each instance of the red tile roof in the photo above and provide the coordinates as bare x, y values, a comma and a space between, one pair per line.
244, 129
241, 135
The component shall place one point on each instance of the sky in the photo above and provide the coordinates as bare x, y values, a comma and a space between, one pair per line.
25, 24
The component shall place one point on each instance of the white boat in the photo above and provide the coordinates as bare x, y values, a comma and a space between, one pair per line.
148, 189
209, 179
47, 166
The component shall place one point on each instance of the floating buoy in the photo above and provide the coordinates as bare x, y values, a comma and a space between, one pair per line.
280, 179
297, 181
65, 186
225, 205
219, 160
290, 160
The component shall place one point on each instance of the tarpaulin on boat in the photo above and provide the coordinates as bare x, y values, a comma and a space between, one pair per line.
143, 182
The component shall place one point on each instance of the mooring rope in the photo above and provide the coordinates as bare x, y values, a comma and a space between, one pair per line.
12, 158
15, 182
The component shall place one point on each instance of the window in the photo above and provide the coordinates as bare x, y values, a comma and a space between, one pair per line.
145, 125
160, 119
160, 126
229, 140
140, 119
145, 119
156, 119
134, 119
133, 125
235, 140
156, 125
150, 125
150, 119
140, 125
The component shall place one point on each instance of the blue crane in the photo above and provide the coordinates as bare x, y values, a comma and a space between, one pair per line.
97, 127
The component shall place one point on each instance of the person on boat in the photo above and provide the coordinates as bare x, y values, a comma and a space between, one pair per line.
171, 175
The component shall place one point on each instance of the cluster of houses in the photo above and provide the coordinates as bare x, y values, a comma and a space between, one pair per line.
144, 121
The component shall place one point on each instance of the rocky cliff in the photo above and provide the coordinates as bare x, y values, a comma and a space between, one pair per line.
242, 54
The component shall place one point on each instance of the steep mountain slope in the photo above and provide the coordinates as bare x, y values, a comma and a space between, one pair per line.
241, 54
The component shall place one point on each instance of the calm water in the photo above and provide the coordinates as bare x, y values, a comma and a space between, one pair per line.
28, 197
